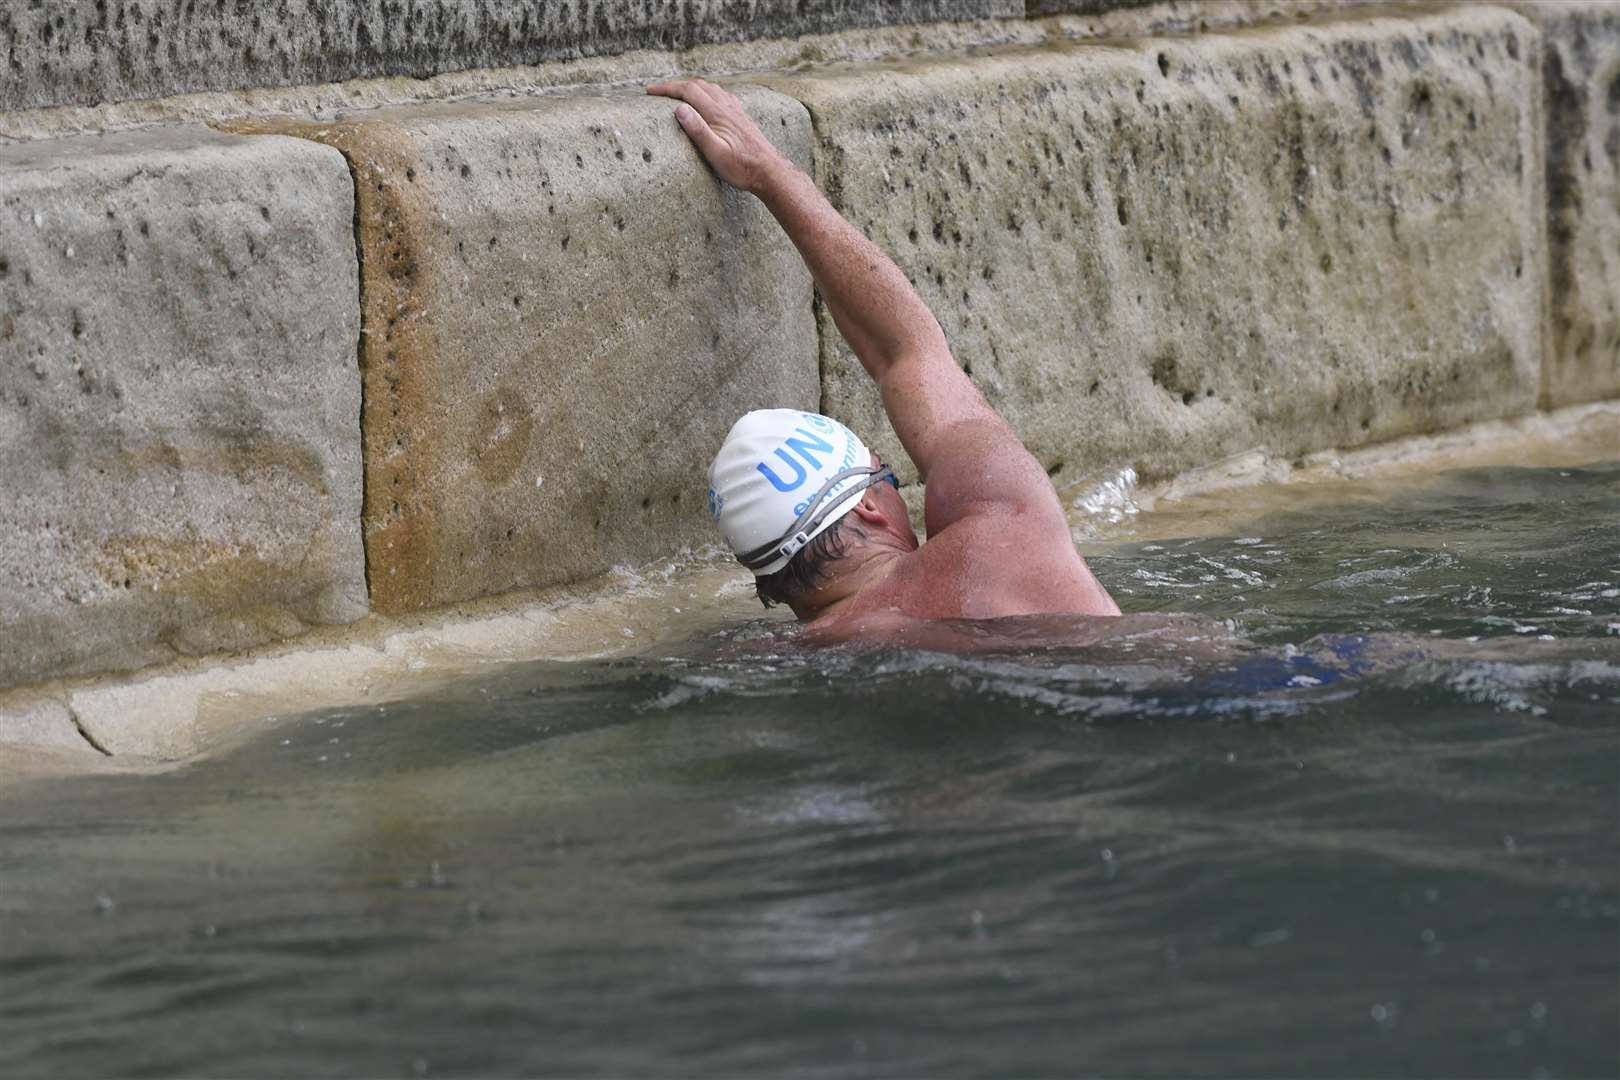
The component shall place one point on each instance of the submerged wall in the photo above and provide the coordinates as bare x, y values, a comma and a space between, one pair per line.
305, 368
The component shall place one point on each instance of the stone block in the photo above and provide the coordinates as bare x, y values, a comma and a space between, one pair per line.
179, 399
563, 314
1162, 252
1581, 102
86, 52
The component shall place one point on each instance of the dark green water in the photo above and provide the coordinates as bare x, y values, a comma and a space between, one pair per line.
1338, 839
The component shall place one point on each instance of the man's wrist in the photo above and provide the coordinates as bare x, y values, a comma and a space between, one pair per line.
774, 177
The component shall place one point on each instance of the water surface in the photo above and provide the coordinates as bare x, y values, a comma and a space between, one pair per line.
1352, 810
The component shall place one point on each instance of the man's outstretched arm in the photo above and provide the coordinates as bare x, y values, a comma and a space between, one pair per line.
947, 427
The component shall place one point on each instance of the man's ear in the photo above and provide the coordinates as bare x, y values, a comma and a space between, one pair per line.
869, 511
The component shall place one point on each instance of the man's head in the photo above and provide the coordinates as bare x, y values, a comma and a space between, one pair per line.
799, 497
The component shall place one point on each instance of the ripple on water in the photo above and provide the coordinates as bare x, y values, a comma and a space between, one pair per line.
1326, 802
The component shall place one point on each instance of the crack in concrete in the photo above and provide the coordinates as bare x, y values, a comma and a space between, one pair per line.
360, 365
84, 732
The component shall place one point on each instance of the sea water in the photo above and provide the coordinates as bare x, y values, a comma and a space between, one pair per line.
1340, 797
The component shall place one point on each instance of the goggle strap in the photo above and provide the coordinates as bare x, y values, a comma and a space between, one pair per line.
799, 533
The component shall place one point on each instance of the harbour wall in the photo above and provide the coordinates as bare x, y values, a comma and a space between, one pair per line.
278, 354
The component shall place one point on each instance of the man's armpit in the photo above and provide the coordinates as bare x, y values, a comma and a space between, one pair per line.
982, 468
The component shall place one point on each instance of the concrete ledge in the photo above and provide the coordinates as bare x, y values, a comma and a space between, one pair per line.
564, 313
1578, 435
173, 713
88, 51
862, 44
40, 719
179, 436
1160, 253
155, 718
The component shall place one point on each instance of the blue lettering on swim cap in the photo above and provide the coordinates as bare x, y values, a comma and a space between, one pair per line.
776, 481
803, 448
820, 423
715, 503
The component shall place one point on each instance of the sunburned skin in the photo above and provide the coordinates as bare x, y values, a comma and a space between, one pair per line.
998, 541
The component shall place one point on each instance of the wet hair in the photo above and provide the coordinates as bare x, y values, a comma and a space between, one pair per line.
808, 569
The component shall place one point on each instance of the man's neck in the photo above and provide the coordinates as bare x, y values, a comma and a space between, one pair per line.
858, 571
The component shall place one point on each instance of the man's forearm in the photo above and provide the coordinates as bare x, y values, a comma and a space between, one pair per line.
936, 410
875, 307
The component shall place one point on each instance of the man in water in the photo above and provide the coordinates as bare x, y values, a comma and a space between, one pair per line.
815, 515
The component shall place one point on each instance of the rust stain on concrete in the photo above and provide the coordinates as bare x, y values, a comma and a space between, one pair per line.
501, 437
399, 395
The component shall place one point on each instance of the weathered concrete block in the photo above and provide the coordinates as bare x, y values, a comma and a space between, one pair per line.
179, 400
563, 314
1163, 252
1581, 99
84, 52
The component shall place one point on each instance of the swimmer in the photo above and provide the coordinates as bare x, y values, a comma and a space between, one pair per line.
811, 511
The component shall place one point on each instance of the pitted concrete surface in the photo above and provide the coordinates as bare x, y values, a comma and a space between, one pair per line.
179, 405
1581, 99
1160, 253
79, 52
564, 312
221, 101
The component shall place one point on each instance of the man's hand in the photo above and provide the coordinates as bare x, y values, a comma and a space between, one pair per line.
730, 141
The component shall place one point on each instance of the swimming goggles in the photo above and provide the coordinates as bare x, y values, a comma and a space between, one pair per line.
815, 514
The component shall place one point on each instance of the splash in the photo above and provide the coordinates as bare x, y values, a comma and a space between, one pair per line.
1111, 502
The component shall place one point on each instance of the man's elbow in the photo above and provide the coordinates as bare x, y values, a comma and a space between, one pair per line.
919, 349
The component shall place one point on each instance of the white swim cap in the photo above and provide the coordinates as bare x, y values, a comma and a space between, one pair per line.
781, 479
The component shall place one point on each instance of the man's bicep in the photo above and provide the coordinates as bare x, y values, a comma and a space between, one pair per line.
981, 467
971, 460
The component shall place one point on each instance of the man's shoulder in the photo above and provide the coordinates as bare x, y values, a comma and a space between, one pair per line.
1001, 528
1022, 561
989, 565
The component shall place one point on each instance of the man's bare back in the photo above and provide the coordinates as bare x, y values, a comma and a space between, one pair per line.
998, 541
981, 568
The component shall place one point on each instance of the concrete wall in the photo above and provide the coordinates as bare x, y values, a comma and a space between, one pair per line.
1169, 251
179, 445
562, 312
408, 357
